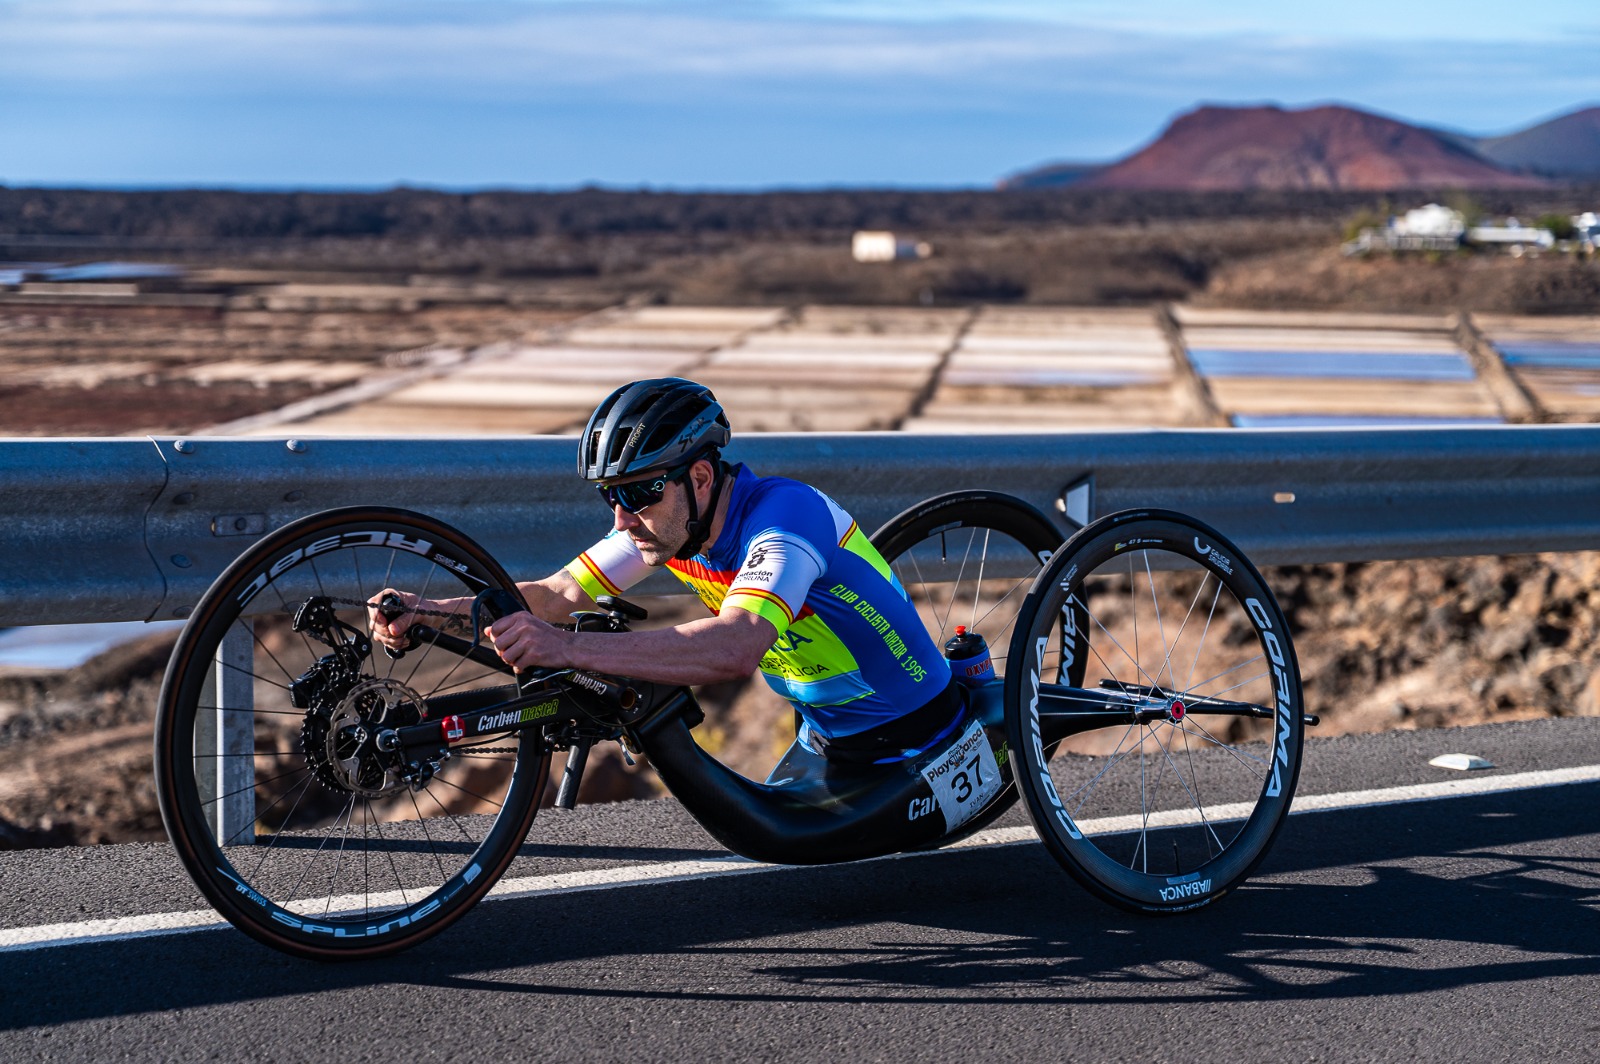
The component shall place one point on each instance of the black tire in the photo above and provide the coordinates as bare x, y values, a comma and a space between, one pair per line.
323, 853
1171, 811
968, 557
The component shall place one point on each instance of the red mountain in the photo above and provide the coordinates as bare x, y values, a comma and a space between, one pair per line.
1219, 148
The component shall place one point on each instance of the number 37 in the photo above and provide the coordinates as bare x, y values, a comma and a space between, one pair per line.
963, 786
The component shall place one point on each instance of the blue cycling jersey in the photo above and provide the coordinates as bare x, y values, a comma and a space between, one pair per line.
851, 653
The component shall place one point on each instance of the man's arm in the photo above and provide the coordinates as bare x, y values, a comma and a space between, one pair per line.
727, 647
554, 598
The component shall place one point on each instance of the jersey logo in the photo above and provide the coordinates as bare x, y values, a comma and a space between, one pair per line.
790, 640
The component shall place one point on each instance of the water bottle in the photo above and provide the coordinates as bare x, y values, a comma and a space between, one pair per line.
969, 658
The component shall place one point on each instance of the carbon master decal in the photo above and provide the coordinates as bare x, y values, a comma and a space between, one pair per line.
495, 721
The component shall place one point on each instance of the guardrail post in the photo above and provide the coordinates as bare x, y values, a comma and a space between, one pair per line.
227, 781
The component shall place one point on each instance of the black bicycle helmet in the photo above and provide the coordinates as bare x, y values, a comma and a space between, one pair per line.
664, 423
654, 424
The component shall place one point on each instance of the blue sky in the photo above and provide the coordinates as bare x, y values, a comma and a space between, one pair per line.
748, 94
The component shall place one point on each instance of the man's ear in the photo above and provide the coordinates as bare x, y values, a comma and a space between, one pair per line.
702, 475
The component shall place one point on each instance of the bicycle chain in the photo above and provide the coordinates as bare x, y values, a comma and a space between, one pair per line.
461, 620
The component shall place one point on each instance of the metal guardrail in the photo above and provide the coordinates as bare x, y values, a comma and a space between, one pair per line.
136, 529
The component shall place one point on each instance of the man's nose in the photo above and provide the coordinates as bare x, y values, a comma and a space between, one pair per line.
622, 520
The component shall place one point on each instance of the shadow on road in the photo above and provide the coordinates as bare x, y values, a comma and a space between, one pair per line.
1373, 902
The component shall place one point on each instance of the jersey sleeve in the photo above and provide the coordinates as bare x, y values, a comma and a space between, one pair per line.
609, 567
786, 555
778, 571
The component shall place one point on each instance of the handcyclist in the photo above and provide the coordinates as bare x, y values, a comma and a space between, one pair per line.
794, 586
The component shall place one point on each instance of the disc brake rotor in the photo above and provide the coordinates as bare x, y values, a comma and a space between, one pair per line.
344, 753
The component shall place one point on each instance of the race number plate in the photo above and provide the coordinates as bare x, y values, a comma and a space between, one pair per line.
964, 777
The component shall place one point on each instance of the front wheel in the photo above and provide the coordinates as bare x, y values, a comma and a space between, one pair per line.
273, 780
1157, 655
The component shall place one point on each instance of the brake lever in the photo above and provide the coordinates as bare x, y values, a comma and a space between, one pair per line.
493, 603
498, 602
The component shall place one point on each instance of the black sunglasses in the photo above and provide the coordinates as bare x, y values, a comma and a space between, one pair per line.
638, 494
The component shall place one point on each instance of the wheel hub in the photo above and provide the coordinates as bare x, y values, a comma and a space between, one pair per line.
343, 749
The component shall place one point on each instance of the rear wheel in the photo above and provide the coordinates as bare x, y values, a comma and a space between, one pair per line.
289, 816
968, 558
1177, 701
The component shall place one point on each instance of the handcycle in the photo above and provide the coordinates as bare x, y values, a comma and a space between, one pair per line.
335, 802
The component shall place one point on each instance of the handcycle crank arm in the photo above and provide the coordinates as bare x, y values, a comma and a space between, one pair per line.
617, 695
475, 652
498, 710
1070, 710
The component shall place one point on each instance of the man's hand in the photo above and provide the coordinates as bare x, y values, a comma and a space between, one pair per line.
523, 642
390, 631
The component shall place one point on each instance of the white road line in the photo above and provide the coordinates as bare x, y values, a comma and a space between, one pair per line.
46, 936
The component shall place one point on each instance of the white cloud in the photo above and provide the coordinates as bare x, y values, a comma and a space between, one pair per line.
1079, 74
457, 48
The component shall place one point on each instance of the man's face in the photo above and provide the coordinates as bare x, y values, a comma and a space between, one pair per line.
659, 529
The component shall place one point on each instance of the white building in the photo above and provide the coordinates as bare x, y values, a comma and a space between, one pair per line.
876, 245
1432, 220
1428, 228
1513, 236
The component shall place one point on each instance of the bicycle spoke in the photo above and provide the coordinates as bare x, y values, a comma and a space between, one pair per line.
983, 560
1193, 796
1161, 628
454, 820
255, 638
1113, 639
1166, 664
1188, 681
1232, 750
1024, 582
427, 834
463, 790
1214, 697
333, 878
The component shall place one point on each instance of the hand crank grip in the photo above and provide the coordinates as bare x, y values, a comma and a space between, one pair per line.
389, 607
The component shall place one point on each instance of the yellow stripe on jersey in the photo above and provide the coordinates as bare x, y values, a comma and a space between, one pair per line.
760, 602
590, 578
856, 542
847, 533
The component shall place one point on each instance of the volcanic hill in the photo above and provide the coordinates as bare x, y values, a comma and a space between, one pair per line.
1214, 148
1568, 146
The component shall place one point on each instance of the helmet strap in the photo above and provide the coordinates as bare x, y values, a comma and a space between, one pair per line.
700, 530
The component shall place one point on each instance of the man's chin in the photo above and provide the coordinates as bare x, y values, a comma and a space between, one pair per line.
654, 553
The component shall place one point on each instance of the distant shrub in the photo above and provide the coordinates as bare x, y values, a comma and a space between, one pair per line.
1366, 218
1560, 225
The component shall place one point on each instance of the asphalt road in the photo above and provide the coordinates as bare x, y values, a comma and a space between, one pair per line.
1456, 929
